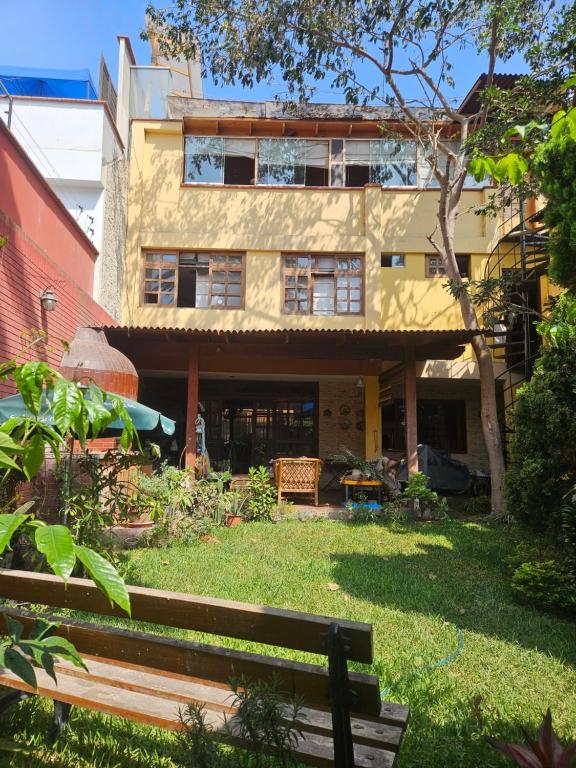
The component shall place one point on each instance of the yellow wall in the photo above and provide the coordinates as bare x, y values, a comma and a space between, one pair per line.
263, 222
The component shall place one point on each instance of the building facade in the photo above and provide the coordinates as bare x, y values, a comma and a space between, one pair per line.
280, 279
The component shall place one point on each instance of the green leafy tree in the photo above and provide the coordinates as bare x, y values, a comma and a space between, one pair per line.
59, 412
543, 449
543, 161
555, 172
400, 53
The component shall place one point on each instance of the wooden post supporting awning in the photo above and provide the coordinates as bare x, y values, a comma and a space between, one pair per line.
191, 407
410, 413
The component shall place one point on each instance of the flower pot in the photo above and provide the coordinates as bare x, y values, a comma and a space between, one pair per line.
355, 474
232, 520
142, 521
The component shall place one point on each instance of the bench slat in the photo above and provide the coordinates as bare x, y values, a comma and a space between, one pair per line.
271, 626
182, 689
207, 662
314, 748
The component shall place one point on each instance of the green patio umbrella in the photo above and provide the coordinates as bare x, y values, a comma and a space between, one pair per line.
145, 419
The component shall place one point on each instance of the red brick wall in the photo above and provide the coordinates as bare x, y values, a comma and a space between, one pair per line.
45, 248
28, 200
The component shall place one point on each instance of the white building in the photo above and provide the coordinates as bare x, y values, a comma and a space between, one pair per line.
72, 138
78, 138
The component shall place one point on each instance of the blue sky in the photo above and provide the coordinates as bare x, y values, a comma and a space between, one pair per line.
72, 34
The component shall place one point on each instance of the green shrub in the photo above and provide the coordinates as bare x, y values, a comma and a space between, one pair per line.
555, 169
361, 511
169, 488
546, 584
176, 528
205, 499
262, 494
422, 497
543, 448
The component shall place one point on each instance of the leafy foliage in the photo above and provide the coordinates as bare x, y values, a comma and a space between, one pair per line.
555, 170
58, 411
40, 648
546, 584
420, 495
370, 469
262, 496
57, 545
98, 494
264, 718
543, 423
546, 751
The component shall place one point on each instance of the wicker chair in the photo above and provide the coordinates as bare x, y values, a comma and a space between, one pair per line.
297, 476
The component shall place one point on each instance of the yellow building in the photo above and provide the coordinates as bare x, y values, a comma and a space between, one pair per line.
279, 273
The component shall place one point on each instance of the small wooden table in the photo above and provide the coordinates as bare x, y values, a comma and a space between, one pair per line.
375, 485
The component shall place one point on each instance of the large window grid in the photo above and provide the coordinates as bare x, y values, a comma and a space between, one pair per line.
222, 160
322, 284
194, 279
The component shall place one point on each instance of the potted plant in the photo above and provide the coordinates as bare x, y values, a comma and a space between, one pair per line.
235, 503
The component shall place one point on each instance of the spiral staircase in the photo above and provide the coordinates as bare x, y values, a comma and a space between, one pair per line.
521, 250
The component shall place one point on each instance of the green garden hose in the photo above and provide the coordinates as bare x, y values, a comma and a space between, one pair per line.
427, 668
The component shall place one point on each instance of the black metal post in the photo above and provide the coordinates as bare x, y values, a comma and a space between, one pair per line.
60, 721
340, 696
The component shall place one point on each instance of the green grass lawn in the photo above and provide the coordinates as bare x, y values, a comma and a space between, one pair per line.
419, 585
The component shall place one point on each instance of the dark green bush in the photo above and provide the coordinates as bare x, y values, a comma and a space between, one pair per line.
555, 170
543, 445
545, 584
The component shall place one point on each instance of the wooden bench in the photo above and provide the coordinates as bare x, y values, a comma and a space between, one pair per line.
150, 678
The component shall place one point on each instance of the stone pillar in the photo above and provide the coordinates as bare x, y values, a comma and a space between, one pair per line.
191, 408
410, 415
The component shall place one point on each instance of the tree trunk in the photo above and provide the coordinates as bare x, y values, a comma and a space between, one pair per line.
447, 214
490, 425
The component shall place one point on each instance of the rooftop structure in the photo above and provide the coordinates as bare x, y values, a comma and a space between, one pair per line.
50, 83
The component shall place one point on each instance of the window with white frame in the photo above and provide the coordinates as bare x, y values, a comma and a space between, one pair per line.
311, 162
392, 260
426, 177
293, 162
389, 162
218, 160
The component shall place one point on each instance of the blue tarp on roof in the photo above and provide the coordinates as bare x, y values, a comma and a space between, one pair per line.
53, 83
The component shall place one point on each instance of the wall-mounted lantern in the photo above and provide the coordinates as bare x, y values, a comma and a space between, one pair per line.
48, 299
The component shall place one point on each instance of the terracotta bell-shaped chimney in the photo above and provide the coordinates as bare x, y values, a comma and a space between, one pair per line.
91, 358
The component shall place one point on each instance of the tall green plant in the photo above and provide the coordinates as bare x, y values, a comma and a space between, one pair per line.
59, 412
261, 494
543, 449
